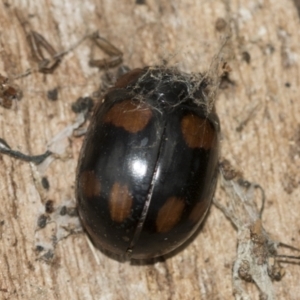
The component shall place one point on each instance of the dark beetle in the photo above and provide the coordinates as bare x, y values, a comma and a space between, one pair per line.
148, 167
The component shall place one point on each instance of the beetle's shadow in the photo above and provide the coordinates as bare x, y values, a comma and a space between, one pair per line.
152, 261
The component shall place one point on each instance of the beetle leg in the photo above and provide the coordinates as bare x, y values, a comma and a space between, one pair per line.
115, 55
37, 44
42, 51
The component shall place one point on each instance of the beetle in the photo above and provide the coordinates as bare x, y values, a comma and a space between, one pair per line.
147, 170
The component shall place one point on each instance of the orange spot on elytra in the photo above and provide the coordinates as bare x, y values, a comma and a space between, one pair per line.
132, 116
169, 215
90, 184
197, 132
120, 202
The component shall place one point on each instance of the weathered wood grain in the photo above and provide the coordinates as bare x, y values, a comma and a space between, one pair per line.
266, 87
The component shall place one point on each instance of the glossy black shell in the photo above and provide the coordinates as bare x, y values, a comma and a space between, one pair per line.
148, 167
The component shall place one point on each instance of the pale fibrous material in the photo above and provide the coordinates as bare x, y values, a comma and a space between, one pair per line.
256, 251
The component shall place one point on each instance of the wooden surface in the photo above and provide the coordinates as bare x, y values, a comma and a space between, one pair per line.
266, 88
